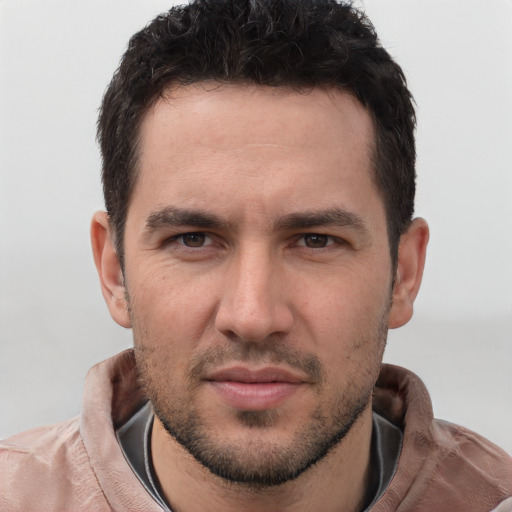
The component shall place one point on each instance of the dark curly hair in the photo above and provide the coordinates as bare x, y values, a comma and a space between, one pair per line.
293, 43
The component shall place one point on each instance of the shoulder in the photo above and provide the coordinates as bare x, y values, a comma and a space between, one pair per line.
461, 452
460, 468
442, 466
48, 468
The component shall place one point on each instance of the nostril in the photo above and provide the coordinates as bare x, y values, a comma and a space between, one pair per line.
256, 325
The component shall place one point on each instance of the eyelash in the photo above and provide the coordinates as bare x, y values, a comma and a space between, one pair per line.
327, 239
180, 239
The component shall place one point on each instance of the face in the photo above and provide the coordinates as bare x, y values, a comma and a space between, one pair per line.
258, 274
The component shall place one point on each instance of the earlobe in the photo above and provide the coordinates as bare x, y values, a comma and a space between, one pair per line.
411, 262
109, 270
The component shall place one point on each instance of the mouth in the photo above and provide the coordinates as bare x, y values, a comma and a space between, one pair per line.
254, 390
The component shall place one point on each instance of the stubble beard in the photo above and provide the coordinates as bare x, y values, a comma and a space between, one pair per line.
253, 462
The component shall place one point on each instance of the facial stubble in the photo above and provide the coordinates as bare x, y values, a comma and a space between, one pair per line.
254, 462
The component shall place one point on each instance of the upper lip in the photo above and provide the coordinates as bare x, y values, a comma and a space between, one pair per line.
249, 375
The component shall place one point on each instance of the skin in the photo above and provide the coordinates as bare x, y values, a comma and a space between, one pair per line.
284, 270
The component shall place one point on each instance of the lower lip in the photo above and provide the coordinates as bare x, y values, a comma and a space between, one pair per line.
256, 396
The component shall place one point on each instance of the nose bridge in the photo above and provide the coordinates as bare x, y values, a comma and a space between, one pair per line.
253, 305
254, 279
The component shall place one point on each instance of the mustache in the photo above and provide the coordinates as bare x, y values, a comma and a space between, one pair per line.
268, 352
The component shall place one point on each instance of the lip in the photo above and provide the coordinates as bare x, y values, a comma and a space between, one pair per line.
248, 389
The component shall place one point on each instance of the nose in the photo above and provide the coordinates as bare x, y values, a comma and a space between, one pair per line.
253, 305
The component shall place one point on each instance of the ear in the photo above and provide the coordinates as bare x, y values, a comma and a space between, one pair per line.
411, 261
109, 270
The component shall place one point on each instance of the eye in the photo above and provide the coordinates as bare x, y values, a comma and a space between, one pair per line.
194, 240
316, 240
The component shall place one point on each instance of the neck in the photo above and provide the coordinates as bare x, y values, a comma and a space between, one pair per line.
337, 482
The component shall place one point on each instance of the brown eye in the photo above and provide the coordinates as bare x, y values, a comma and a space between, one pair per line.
193, 239
316, 241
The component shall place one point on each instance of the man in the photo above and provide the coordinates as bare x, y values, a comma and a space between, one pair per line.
258, 171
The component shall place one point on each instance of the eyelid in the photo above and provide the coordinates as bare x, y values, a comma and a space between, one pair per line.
331, 239
178, 239
300, 239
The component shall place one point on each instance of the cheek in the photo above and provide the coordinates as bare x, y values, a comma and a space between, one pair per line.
349, 302
169, 311
348, 321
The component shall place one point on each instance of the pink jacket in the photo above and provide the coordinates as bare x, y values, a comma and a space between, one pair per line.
78, 464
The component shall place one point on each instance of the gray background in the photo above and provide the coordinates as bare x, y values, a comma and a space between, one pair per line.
56, 60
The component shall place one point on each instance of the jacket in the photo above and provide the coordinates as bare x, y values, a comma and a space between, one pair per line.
78, 464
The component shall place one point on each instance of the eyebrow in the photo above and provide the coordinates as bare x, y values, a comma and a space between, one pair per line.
330, 217
175, 217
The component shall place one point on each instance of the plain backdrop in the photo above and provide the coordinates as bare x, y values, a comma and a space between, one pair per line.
56, 59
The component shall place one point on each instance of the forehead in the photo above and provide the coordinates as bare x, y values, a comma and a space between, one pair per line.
203, 142
231, 115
